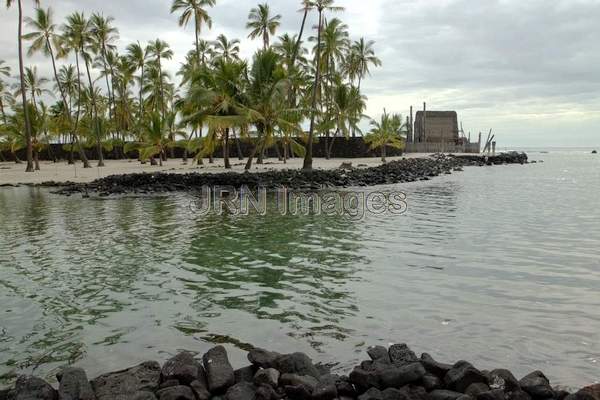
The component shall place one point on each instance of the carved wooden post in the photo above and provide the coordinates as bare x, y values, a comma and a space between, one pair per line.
424, 134
411, 126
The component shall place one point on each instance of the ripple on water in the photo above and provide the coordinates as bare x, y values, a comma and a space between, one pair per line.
495, 265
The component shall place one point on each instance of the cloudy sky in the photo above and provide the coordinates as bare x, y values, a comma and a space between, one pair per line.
529, 69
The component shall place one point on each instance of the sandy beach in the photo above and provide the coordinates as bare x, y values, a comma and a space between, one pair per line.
12, 173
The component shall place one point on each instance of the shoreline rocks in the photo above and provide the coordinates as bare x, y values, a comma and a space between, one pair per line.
390, 374
405, 170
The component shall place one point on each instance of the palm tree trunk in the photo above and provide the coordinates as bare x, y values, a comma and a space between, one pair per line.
2, 112
277, 151
226, 150
197, 31
383, 154
358, 88
141, 116
297, 47
162, 93
255, 149
185, 150
36, 160
95, 116
86, 163
308, 161
332, 141
16, 157
251, 158
239, 149
24, 94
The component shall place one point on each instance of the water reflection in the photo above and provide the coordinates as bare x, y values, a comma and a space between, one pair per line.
79, 274
504, 278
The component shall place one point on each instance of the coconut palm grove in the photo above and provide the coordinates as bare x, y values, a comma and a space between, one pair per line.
108, 96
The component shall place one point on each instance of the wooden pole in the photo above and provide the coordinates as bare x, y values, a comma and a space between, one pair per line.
424, 134
411, 126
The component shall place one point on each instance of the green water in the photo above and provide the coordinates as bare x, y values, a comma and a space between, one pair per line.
496, 265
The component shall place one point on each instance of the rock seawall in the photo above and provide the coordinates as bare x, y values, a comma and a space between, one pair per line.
394, 373
405, 170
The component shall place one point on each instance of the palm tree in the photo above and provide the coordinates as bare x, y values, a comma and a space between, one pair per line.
87, 44
22, 79
334, 46
320, 6
286, 49
137, 55
197, 9
347, 106
267, 92
4, 70
74, 38
155, 140
219, 95
361, 57
262, 24
386, 133
204, 50
161, 51
34, 84
226, 49
103, 34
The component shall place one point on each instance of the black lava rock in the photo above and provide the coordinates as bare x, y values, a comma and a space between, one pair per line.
371, 394
74, 385
183, 367
245, 374
537, 385
299, 392
496, 394
169, 383
219, 373
32, 388
431, 382
363, 380
144, 396
269, 376
444, 395
587, 393
377, 352
200, 390
476, 388
296, 363
436, 368
241, 391
141, 378
401, 355
262, 358
309, 382
398, 377
176, 393
503, 379
462, 375
325, 391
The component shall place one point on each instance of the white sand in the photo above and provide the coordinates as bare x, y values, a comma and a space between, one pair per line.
12, 173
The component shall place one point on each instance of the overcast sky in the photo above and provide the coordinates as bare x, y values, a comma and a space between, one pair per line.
529, 69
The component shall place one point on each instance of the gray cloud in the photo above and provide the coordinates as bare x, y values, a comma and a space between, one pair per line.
527, 68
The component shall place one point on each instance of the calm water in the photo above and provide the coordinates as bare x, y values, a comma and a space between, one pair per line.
498, 265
